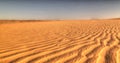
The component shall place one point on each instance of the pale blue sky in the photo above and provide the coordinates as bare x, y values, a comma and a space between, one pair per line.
59, 9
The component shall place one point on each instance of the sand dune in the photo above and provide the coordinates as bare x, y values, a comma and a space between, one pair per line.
90, 41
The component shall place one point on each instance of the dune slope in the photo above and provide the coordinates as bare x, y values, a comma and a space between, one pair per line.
60, 42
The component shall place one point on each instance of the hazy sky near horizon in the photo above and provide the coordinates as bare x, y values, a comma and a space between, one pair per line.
59, 9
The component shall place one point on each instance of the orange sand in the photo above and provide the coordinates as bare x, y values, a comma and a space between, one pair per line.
92, 41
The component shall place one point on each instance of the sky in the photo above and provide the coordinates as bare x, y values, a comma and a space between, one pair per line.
59, 9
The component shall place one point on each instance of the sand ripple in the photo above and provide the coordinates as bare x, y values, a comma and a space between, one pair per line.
60, 42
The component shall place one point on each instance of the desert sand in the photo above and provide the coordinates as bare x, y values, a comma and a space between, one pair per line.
67, 41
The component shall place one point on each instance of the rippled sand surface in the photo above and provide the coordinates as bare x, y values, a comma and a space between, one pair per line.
91, 41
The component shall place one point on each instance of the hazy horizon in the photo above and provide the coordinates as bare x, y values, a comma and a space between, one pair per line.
56, 9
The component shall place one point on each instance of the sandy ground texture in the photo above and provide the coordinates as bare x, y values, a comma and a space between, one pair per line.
92, 41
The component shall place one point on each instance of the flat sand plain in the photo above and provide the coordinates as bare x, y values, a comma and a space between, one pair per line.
68, 41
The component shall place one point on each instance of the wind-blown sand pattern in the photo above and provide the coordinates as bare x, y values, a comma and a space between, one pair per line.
92, 41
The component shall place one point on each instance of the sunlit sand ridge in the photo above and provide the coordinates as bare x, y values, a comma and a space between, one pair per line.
92, 41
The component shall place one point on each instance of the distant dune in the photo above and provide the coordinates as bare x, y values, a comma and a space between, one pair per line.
79, 41
115, 18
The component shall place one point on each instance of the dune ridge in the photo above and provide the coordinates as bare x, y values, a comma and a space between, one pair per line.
90, 41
